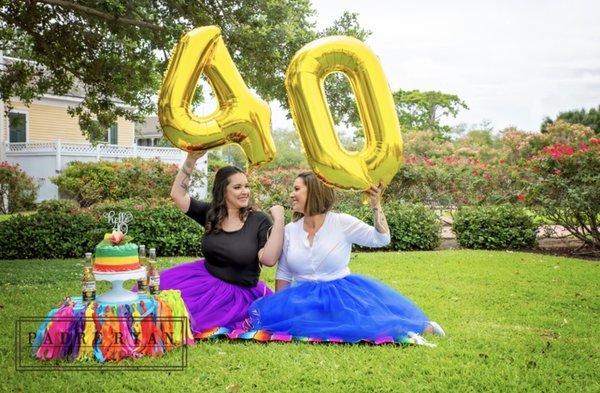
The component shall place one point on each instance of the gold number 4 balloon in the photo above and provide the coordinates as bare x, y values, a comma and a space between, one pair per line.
245, 119
241, 117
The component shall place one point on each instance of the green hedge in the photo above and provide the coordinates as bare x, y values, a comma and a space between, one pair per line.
158, 224
60, 229
494, 227
412, 226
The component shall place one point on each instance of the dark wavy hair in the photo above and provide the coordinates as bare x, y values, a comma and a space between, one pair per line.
218, 210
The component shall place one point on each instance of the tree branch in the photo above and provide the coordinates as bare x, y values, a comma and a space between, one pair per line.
92, 11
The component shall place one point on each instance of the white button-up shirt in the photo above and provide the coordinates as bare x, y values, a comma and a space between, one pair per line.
329, 255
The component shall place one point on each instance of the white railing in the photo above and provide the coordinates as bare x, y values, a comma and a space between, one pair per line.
100, 150
38, 147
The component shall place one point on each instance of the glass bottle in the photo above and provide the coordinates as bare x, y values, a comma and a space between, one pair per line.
88, 282
142, 283
153, 275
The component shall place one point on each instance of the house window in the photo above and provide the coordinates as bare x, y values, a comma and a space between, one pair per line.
17, 124
111, 136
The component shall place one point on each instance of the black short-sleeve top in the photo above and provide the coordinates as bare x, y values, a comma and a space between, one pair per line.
233, 256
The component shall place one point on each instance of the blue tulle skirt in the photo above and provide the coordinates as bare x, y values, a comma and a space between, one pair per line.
351, 309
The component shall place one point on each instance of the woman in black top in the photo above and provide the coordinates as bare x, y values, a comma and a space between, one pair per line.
218, 289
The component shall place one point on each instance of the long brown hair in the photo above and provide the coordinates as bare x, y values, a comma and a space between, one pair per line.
218, 210
319, 196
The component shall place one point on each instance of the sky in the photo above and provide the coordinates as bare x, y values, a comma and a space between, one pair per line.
512, 62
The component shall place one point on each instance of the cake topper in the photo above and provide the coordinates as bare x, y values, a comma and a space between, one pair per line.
119, 222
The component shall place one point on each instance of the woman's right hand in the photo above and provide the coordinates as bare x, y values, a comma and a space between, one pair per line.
179, 189
194, 156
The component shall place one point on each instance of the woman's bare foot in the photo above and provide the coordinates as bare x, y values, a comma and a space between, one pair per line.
435, 328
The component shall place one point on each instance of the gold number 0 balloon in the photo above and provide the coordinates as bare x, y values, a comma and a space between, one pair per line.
241, 118
381, 156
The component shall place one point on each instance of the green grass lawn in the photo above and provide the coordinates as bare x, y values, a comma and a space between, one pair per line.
514, 322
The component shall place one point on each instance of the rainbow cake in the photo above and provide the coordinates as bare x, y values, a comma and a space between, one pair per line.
116, 254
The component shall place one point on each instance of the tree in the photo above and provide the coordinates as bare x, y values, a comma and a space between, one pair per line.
289, 150
114, 52
589, 118
423, 110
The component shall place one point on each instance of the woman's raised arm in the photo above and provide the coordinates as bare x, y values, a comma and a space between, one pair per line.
179, 189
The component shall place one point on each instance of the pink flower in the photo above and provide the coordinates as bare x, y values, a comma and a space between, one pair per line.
583, 147
557, 172
116, 237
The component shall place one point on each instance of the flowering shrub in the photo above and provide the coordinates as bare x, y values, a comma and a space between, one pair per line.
92, 182
518, 145
565, 187
455, 181
16, 188
273, 186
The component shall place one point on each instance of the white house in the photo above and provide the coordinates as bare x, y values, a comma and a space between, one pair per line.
43, 138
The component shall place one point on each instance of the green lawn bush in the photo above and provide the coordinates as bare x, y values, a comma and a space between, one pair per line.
157, 223
494, 227
412, 226
61, 229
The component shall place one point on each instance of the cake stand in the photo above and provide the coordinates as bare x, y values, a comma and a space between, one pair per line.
118, 294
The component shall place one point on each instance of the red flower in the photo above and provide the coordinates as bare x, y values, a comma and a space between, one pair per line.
521, 197
568, 150
595, 141
583, 147
558, 150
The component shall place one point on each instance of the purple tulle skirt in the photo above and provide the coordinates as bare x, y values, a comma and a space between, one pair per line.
211, 302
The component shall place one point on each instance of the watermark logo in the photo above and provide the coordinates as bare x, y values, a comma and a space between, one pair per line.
37, 350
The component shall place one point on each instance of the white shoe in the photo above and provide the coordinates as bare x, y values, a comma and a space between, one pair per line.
437, 329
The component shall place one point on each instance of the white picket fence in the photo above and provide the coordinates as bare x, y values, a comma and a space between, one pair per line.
43, 160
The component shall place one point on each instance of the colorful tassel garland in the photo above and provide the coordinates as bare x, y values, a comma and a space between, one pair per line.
107, 332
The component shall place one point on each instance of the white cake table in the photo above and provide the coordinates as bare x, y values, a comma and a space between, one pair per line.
118, 294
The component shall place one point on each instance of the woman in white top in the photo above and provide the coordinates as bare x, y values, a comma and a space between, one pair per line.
317, 297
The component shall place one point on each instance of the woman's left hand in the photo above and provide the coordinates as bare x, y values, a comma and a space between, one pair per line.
374, 194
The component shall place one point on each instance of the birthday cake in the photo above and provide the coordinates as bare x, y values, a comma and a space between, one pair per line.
116, 254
